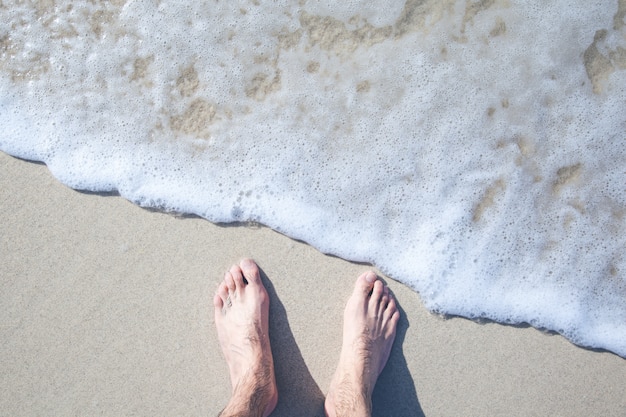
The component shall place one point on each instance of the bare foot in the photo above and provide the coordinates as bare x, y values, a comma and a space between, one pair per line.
241, 316
369, 329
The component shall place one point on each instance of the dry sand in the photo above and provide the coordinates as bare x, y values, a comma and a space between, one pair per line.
106, 310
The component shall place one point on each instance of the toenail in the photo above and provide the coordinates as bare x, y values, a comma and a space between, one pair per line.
370, 277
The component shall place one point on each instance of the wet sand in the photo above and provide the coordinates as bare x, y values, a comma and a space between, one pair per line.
106, 309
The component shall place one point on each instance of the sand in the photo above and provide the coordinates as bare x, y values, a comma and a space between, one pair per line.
106, 310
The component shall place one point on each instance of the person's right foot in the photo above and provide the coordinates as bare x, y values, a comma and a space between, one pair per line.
369, 329
241, 317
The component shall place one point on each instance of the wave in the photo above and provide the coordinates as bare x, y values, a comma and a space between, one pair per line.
474, 151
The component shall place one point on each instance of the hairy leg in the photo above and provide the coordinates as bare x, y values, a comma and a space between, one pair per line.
370, 320
241, 317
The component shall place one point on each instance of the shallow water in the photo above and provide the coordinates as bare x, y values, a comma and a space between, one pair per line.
475, 151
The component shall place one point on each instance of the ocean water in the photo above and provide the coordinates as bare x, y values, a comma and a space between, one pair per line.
474, 150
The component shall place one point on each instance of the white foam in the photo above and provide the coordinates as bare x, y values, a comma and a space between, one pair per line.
475, 153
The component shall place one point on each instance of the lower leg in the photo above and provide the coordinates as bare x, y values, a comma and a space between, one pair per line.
370, 320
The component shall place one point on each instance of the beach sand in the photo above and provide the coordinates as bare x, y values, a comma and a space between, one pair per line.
106, 309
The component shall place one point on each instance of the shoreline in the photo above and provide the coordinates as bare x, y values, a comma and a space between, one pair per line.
107, 309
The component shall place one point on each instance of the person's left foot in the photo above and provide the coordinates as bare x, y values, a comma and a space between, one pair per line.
241, 317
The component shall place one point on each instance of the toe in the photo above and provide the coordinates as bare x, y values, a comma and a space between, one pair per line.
395, 318
222, 292
390, 309
218, 303
384, 302
250, 271
220, 297
237, 275
377, 294
392, 325
392, 316
229, 281
384, 299
364, 284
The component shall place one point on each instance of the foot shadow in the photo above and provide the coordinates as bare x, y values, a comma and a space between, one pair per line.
298, 393
394, 393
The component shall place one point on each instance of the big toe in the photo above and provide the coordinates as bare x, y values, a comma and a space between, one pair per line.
250, 271
365, 284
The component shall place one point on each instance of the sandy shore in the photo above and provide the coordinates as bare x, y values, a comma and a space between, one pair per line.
106, 309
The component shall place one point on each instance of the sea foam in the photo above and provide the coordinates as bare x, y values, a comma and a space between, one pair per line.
475, 151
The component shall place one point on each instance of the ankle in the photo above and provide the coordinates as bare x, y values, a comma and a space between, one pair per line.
348, 396
254, 404
254, 395
356, 373
344, 407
